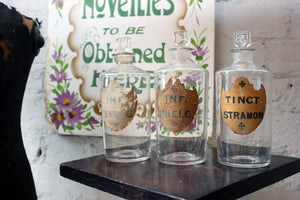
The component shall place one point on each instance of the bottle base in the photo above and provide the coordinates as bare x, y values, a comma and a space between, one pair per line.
241, 161
127, 156
180, 158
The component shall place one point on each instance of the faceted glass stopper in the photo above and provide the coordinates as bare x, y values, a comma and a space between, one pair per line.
182, 38
123, 45
242, 39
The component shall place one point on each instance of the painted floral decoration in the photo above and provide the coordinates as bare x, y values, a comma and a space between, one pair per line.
67, 110
198, 40
58, 5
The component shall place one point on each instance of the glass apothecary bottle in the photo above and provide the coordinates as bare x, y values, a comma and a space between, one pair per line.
181, 107
243, 109
125, 108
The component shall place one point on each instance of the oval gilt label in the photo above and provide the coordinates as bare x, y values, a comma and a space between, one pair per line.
243, 107
176, 106
118, 107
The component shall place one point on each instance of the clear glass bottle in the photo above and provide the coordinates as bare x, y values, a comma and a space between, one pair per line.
181, 107
125, 107
243, 109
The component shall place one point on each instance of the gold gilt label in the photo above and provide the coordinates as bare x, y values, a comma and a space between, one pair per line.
118, 107
176, 105
243, 107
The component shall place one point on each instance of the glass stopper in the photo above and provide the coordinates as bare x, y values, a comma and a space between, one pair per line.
242, 39
123, 45
181, 38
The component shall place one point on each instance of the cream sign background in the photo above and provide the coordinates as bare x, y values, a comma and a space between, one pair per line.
81, 40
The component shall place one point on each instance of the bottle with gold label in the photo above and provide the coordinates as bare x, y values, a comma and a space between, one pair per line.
125, 108
181, 107
243, 109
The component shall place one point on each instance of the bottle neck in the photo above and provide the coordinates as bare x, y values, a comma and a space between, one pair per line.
124, 59
243, 56
181, 55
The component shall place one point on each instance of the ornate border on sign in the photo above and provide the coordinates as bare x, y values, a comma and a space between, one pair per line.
67, 110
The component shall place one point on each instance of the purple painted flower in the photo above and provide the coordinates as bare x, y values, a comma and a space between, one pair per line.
192, 79
57, 117
65, 100
152, 126
58, 76
93, 121
200, 52
74, 115
57, 3
138, 124
58, 56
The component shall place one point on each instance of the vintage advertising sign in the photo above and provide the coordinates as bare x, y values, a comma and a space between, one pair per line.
81, 40
243, 107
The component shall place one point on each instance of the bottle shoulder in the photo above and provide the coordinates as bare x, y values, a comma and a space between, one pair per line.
181, 66
243, 68
130, 69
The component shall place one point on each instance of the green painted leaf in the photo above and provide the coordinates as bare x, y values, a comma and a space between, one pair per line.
60, 5
205, 66
84, 107
191, 2
199, 6
54, 91
176, 134
60, 48
193, 42
202, 41
88, 115
200, 100
52, 106
61, 63
195, 33
200, 112
54, 67
198, 58
78, 126
71, 132
59, 13
71, 128
197, 20
59, 87
66, 67
200, 92
85, 123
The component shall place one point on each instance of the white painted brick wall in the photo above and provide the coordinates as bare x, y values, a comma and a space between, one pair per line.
275, 25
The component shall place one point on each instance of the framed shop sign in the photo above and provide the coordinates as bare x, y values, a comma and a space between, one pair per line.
80, 44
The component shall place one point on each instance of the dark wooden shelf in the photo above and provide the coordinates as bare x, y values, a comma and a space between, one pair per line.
153, 180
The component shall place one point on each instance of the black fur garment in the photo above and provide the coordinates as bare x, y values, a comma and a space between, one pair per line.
20, 41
